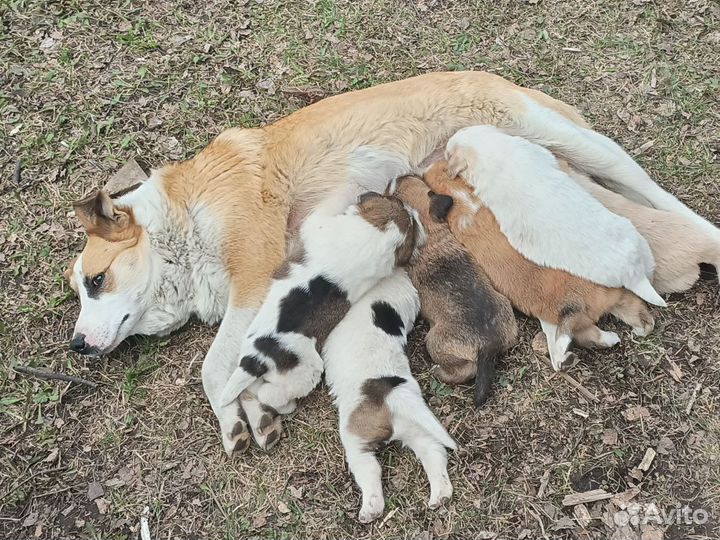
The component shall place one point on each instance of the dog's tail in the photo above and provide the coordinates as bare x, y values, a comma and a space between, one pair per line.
644, 289
485, 374
238, 382
410, 405
596, 155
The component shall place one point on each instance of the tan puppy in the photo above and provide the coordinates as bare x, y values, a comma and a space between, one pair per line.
568, 307
470, 322
678, 245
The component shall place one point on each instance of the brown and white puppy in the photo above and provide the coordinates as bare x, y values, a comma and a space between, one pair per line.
568, 307
378, 399
203, 237
470, 322
678, 244
342, 257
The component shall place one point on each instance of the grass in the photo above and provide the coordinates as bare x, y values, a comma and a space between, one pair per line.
87, 85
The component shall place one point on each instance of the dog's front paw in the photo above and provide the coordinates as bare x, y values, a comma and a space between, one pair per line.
236, 435
440, 493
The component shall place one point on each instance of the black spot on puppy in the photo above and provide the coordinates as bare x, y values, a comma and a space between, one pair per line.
387, 319
284, 359
314, 311
376, 390
253, 366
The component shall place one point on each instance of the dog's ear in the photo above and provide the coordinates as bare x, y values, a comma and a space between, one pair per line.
99, 215
440, 206
69, 275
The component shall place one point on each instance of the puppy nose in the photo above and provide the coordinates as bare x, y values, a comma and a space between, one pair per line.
77, 344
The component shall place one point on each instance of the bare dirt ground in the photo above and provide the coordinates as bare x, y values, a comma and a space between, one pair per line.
86, 85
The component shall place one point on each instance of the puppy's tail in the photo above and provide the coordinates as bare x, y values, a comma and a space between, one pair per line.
647, 292
410, 405
238, 382
485, 374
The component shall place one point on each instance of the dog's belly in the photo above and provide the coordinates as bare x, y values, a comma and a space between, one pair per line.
368, 169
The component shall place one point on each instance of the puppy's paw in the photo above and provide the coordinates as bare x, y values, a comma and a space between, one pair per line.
609, 339
569, 360
236, 436
646, 326
372, 509
268, 430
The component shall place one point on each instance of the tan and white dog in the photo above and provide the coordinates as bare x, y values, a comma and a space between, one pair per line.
202, 237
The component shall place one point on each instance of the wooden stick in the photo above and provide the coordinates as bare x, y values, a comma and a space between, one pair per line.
587, 394
586, 497
16, 173
690, 404
47, 374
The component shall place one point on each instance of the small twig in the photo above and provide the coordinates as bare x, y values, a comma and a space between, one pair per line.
47, 374
587, 394
18, 170
144, 525
693, 398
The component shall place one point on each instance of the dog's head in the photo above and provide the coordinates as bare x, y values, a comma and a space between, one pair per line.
111, 276
382, 211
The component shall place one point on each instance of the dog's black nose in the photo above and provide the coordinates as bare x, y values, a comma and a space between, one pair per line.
77, 344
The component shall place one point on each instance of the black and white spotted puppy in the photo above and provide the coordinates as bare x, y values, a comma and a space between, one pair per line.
378, 399
338, 259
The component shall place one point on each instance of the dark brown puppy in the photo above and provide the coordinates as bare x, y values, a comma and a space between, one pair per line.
470, 322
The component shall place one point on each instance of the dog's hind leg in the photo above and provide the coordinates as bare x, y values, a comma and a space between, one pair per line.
633, 311
433, 456
366, 470
597, 155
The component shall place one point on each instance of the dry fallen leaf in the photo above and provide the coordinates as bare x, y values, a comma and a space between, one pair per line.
283, 508
665, 446
610, 437
632, 414
95, 490
539, 344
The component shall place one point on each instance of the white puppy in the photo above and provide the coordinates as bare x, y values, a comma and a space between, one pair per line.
337, 260
377, 397
546, 216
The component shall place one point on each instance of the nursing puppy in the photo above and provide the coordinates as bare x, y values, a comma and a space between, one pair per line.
678, 244
378, 399
546, 216
339, 258
470, 322
568, 306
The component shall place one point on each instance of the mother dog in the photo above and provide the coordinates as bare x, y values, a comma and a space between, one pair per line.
203, 237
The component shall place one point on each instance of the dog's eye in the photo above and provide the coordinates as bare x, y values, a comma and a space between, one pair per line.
98, 280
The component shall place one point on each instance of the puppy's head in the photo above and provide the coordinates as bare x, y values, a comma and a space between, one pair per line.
381, 211
431, 207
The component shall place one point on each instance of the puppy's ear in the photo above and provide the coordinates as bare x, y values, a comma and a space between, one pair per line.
440, 206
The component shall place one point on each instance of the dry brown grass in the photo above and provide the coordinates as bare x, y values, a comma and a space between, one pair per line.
86, 85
